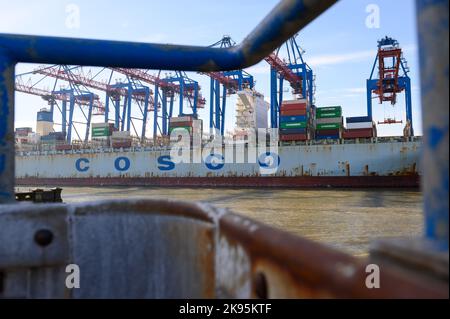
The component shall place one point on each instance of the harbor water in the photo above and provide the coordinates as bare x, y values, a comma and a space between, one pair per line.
344, 219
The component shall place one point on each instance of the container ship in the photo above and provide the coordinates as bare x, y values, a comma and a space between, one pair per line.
313, 148
309, 146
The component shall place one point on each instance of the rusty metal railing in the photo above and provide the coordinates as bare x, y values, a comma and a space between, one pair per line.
163, 249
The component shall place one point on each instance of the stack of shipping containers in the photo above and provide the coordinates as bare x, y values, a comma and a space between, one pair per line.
294, 121
100, 133
359, 127
329, 122
179, 125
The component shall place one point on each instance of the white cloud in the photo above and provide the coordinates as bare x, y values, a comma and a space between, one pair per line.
333, 59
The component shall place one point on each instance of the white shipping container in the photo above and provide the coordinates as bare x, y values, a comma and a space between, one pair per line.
97, 125
360, 125
181, 119
330, 120
121, 134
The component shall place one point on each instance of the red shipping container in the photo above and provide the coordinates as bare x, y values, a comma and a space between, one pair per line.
293, 137
180, 124
294, 107
358, 133
293, 112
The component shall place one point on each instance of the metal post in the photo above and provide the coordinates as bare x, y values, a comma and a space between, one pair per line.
107, 108
273, 97
180, 113
89, 119
155, 110
64, 116
164, 112
432, 17
71, 110
211, 106
145, 114
7, 154
224, 105
130, 100
117, 112
408, 103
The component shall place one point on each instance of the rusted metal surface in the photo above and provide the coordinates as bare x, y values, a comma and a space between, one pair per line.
407, 180
164, 249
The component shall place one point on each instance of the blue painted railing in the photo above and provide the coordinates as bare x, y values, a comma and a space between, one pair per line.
287, 18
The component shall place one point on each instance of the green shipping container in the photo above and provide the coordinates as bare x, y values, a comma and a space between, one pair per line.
324, 115
293, 125
100, 131
330, 126
189, 128
329, 109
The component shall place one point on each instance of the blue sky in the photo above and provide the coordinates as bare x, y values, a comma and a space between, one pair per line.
338, 45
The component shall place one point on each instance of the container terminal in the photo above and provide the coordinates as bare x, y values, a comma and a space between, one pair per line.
160, 248
316, 146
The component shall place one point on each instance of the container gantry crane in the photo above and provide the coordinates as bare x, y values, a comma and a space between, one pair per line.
232, 82
129, 92
69, 98
165, 90
390, 81
295, 71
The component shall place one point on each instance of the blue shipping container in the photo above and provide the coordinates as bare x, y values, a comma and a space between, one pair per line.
297, 118
287, 131
327, 137
44, 117
359, 119
48, 138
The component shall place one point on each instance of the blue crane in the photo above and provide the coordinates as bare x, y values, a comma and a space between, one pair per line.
295, 71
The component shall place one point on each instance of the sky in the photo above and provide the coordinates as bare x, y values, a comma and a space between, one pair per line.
340, 45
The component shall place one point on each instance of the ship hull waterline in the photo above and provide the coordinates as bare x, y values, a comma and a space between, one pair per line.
380, 165
405, 181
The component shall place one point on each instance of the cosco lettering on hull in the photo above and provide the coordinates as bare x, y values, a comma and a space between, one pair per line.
268, 163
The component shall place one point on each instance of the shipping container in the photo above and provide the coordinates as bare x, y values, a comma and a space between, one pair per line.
327, 132
330, 126
329, 120
328, 114
180, 130
44, 116
63, 147
181, 124
358, 119
101, 131
187, 118
327, 137
297, 118
293, 125
121, 134
293, 107
293, 112
299, 101
286, 131
328, 109
121, 144
293, 137
23, 131
358, 133
359, 125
